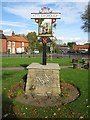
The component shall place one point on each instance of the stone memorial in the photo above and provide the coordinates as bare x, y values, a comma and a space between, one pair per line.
43, 80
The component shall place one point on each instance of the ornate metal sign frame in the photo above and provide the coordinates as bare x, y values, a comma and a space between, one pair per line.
45, 18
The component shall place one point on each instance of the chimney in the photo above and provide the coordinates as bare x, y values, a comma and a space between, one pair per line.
13, 34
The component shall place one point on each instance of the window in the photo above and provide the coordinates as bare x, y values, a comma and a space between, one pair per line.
9, 43
22, 43
13, 43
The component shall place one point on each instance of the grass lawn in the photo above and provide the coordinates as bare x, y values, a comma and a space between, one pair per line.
17, 62
76, 109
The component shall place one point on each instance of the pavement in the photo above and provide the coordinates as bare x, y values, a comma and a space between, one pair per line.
12, 68
23, 68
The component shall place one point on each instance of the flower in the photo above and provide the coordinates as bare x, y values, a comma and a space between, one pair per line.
4, 88
46, 117
24, 113
81, 117
54, 114
87, 106
86, 100
5, 115
59, 109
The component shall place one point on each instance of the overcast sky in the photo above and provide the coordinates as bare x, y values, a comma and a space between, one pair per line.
16, 16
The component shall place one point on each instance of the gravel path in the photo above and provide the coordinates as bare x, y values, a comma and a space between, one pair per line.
23, 68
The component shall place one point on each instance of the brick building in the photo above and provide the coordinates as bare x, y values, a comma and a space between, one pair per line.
13, 43
3, 42
81, 47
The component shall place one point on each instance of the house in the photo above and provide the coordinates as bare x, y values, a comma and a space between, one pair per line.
81, 47
3, 43
14, 44
64, 48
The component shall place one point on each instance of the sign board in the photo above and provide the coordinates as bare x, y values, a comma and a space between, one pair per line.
45, 27
45, 15
45, 19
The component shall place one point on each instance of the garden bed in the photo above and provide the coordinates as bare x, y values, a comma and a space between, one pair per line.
68, 94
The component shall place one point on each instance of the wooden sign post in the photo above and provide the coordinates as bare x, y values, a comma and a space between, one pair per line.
45, 19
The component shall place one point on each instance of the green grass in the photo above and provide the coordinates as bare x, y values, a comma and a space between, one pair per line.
17, 62
78, 108
80, 79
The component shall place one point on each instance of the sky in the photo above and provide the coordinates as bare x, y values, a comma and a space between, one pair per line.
16, 16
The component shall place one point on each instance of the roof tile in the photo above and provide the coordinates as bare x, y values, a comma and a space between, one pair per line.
16, 38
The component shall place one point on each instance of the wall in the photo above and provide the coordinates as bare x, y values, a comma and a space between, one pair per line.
3, 47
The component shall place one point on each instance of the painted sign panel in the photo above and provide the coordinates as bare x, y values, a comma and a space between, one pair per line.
45, 19
45, 27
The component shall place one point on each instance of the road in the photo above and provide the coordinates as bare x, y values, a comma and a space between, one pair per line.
70, 55
54, 55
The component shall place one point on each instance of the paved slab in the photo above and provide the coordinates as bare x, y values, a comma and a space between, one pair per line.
40, 66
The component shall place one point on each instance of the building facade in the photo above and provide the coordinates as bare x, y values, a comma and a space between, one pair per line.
13, 44
3, 42
81, 47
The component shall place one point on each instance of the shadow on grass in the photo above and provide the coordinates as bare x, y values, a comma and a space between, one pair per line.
24, 65
7, 104
25, 81
7, 109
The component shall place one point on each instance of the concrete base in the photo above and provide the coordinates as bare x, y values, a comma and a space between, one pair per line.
43, 80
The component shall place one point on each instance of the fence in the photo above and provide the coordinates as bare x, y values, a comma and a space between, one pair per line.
54, 55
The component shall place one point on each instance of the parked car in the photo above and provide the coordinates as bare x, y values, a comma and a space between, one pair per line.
71, 51
83, 51
36, 51
19, 51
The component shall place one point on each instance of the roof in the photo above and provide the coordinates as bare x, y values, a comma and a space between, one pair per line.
81, 46
2, 36
16, 38
63, 45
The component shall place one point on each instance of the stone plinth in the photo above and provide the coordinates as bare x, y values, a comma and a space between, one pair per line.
43, 79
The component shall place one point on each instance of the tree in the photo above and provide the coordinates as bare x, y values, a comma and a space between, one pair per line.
32, 38
54, 45
20, 35
86, 19
70, 44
